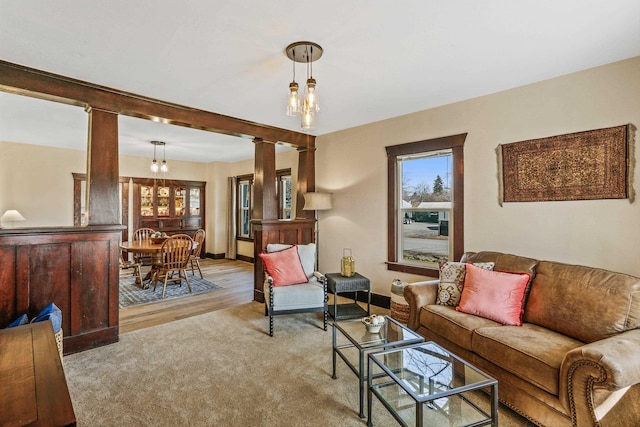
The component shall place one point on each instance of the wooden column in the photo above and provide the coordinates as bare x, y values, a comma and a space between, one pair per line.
102, 168
265, 199
306, 179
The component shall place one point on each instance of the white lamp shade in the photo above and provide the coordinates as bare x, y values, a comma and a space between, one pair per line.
317, 201
12, 215
9, 217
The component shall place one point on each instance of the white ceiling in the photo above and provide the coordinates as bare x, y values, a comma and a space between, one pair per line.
381, 59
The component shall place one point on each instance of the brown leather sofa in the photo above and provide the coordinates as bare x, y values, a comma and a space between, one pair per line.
576, 358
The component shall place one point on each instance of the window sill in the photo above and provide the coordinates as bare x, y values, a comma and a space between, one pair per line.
413, 269
244, 239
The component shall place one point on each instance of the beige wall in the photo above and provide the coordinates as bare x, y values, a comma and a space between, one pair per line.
36, 180
599, 233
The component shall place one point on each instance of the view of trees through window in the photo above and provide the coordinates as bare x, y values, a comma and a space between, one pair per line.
425, 207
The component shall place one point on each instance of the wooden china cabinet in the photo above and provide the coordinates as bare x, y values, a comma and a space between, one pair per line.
171, 206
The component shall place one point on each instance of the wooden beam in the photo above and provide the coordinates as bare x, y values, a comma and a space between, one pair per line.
28, 81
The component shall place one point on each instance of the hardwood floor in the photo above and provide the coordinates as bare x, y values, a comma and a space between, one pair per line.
235, 276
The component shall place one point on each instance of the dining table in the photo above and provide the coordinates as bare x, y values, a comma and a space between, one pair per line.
148, 247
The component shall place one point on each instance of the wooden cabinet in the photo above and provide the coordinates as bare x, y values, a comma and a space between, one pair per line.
171, 206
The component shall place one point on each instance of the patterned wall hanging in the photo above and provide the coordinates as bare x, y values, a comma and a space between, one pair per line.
596, 164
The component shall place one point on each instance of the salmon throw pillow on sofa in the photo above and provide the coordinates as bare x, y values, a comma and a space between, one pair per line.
284, 267
494, 295
452, 281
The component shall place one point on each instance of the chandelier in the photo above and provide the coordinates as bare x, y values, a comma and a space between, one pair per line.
155, 167
307, 53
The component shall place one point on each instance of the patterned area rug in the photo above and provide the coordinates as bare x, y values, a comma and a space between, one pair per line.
132, 294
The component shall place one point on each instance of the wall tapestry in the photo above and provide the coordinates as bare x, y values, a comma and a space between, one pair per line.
596, 164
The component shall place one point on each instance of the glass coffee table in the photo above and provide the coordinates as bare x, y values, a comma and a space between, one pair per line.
424, 384
355, 343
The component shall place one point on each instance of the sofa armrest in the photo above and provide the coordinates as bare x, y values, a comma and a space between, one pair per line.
595, 377
418, 294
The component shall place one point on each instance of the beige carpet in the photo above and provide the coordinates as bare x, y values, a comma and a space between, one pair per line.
221, 369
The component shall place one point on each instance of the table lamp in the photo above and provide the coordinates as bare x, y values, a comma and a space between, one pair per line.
8, 219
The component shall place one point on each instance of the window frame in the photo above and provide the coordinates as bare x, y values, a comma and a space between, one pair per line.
280, 174
456, 144
239, 209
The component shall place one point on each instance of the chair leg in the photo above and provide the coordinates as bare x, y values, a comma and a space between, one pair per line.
266, 310
270, 323
185, 278
198, 265
325, 320
164, 286
136, 270
154, 279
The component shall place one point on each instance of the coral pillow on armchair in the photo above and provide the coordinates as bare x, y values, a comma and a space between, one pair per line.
284, 267
494, 295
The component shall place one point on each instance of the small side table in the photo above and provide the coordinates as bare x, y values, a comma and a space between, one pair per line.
337, 283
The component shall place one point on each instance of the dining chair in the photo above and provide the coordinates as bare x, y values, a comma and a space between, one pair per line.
198, 239
140, 235
127, 265
175, 256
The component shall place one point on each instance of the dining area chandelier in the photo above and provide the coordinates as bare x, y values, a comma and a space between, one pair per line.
163, 167
306, 53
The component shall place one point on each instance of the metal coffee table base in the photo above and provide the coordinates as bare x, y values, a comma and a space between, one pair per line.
425, 382
392, 334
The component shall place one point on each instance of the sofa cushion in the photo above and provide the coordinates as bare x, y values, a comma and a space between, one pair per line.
447, 322
585, 303
530, 352
452, 281
506, 262
494, 295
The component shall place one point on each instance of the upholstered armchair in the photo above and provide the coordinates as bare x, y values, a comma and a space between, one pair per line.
291, 283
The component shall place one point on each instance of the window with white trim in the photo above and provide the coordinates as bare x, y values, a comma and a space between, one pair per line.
245, 198
425, 204
424, 207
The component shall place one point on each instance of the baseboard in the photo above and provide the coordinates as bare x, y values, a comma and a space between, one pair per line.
244, 258
378, 300
215, 256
